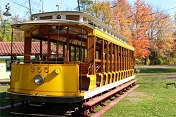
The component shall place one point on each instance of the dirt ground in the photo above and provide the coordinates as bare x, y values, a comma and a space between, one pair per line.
136, 96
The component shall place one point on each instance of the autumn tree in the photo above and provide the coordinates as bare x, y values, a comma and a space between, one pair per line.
101, 10
122, 17
161, 38
140, 27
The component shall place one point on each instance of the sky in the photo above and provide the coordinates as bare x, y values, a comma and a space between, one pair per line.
20, 7
71, 4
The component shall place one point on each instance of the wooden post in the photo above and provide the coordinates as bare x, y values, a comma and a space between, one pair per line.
41, 50
49, 48
131, 60
102, 57
132, 63
128, 59
124, 58
91, 48
67, 42
27, 46
115, 58
118, 58
111, 57
107, 57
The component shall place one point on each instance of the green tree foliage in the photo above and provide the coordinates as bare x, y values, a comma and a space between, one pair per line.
1, 27
5, 28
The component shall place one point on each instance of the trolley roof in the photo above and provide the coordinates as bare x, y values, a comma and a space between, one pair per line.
70, 17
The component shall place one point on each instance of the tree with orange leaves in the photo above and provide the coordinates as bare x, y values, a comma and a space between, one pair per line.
140, 27
122, 17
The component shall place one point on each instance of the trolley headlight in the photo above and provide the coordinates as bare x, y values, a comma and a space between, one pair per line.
39, 79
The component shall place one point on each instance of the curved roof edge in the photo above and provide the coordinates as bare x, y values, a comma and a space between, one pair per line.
84, 14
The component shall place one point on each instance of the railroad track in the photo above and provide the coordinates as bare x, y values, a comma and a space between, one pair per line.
156, 74
89, 108
4, 82
115, 101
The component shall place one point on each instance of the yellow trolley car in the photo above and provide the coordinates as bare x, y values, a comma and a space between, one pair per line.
95, 59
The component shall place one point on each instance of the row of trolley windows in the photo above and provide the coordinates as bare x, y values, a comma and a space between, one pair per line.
120, 57
68, 17
76, 53
124, 53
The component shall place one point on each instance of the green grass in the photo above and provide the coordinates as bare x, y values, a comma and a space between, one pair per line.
157, 70
150, 99
3, 90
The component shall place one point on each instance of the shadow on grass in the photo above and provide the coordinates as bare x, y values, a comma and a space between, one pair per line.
3, 102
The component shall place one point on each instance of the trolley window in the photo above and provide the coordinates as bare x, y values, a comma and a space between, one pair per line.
72, 17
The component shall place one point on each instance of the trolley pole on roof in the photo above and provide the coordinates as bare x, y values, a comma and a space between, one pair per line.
57, 7
42, 5
78, 5
30, 10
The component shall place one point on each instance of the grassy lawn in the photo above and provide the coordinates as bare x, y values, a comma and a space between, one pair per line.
157, 70
150, 99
